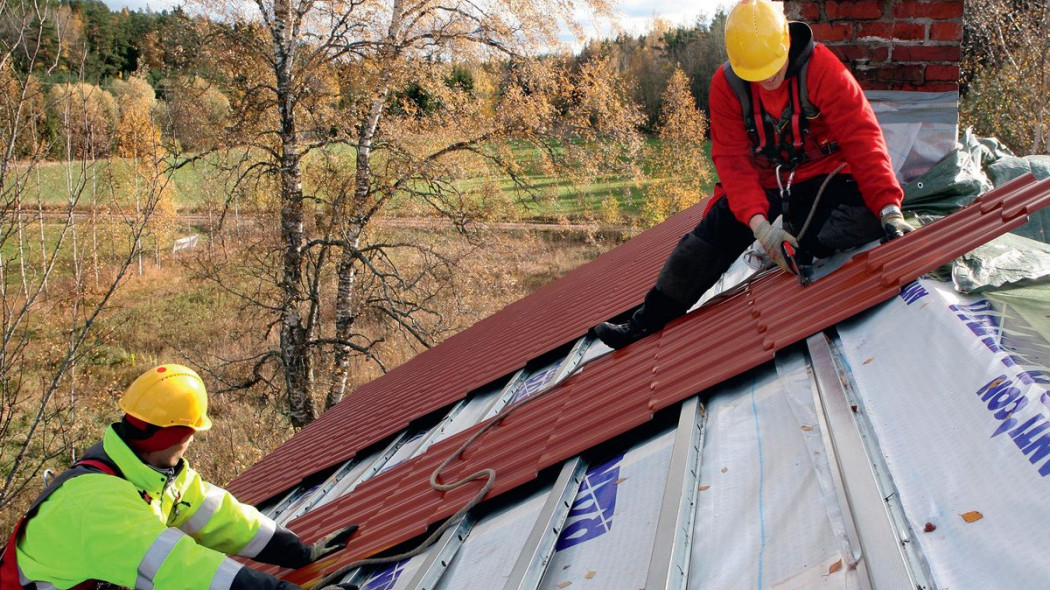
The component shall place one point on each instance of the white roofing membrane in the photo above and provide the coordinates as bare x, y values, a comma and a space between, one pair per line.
762, 519
488, 555
614, 514
956, 389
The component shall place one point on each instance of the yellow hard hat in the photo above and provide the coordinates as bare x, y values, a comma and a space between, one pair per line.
757, 39
168, 395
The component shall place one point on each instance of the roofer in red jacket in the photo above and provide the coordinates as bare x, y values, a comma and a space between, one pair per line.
786, 118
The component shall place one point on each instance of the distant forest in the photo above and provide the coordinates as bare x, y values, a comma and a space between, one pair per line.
87, 42
1004, 71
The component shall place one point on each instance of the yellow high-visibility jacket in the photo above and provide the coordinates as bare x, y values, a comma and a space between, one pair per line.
143, 529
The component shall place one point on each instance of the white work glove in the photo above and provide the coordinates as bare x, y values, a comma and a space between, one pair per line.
894, 225
772, 239
329, 544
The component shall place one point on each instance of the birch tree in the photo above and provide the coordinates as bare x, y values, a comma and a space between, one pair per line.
377, 92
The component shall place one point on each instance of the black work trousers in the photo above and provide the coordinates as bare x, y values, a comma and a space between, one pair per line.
840, 221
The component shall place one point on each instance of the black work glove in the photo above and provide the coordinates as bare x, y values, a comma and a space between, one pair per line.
894, 225
329, 544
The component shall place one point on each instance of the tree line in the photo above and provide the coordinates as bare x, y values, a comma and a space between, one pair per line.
84, 41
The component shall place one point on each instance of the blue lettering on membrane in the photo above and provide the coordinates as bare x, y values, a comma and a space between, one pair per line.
913, 292
1003, 399
591, 514
385, 579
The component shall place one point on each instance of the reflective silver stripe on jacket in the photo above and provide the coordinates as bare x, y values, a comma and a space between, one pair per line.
223, 579
27, 583
203, 514
160, 549
261, 538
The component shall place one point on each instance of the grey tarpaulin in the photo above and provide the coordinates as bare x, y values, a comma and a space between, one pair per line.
1007, 169
1007, 261
951, 184
975, 166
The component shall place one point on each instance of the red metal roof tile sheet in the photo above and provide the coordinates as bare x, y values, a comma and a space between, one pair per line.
493, 348
618, 392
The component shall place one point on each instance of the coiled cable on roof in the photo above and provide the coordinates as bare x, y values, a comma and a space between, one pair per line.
488, 474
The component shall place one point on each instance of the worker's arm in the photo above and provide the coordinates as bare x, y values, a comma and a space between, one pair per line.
732, 153
846, 110
217, 520
96, 527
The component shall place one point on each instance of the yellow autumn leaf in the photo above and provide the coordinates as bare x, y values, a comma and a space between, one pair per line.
835, 567
590, 575
704, 488
972, 516
807, 428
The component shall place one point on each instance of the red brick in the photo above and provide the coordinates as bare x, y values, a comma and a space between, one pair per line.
807, 11
939, 9
946, 31
910, 73
866, 52
936, 73
927, 53
886, 30
854, 10
832, 32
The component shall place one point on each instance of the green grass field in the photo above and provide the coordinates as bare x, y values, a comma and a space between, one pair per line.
195, 185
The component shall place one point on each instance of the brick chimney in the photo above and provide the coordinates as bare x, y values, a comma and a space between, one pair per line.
890, 44
906, 55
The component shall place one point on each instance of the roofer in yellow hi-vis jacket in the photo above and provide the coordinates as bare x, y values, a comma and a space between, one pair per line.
133, 513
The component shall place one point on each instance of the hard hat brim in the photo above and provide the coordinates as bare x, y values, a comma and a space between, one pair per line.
763, 73
203, 424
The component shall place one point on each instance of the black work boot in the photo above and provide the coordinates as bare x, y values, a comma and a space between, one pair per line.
617, 336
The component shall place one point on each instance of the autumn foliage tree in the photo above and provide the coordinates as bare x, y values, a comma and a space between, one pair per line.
681, 170
1006, 72
49, 310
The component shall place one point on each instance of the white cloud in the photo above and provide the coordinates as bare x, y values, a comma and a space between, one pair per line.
635, 17
133, 5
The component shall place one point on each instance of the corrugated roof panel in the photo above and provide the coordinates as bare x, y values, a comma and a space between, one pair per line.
494, 347
614, 387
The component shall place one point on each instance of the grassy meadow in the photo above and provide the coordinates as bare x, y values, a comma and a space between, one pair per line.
552, 198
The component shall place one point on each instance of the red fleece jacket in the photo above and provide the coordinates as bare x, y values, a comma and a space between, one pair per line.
845, 116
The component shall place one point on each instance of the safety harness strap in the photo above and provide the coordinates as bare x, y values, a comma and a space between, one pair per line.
786, 141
